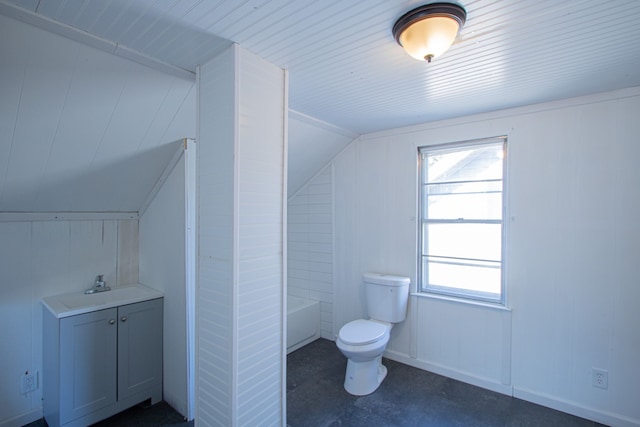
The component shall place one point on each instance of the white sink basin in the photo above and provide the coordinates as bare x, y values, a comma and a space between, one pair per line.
79, 302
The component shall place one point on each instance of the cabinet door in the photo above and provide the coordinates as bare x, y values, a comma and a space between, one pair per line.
139, 347
87, 363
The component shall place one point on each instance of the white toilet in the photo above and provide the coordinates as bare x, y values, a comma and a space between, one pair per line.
363, 341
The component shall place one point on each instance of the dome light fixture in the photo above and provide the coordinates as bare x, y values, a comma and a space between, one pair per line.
426, 32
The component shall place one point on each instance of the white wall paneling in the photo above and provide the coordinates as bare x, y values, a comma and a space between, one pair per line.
572, 244
310, 246
348, 303
128, 251
163, 265
241, 292
41, 258
475, 348
215, 204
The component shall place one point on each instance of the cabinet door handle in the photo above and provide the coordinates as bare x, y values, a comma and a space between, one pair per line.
112, 321
123, 318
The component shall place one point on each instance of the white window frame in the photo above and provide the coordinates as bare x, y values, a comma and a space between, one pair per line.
458, 293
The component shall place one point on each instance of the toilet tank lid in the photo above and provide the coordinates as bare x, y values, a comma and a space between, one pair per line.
386, 279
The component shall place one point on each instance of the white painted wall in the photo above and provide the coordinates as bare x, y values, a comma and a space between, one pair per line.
310, 246
571, 254
162, 266
240, 340
42, 258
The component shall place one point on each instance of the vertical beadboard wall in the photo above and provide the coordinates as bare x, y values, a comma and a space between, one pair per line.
240, 349
162, 266
310, 246
216, 224
261, 196
41, 258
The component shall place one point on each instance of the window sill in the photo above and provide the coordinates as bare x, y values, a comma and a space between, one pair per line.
493, 306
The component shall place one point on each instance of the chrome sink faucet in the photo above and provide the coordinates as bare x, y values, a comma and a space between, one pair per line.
99, 286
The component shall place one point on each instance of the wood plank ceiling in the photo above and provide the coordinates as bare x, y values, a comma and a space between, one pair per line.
344, 66
346, 69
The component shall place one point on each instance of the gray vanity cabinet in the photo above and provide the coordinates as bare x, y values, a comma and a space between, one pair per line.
88, 351
101, 362
139, 348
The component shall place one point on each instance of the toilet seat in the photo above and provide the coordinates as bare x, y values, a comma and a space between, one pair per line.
362, 332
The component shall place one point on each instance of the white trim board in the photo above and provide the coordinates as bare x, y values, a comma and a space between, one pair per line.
486, 383
284, 260
507, 112
546, 400
191, 273
322, 124
64, 30
65, 216
573, 408
24, 419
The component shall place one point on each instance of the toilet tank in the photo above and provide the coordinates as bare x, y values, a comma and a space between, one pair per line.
386, 296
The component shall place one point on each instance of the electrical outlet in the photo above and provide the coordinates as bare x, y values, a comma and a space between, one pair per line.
29, 382
600, 378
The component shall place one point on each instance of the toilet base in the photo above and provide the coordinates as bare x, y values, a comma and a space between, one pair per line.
364, 378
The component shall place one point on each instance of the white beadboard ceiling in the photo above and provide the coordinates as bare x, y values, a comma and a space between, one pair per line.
345, 69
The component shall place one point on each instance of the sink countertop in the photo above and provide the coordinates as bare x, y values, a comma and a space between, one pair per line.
79, 303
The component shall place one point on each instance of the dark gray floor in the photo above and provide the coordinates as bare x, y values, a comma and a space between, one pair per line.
407, 397
158, 415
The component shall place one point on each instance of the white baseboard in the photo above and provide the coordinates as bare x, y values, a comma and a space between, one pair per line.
22, 419
486, 383
573, 408
549, 401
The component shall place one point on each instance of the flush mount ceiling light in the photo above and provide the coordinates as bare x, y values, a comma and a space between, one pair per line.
426, 32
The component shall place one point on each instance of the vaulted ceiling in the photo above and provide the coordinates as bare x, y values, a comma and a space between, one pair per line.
345, 69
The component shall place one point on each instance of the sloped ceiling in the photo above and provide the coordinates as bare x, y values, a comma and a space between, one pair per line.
312, 144
82, 130
73, 111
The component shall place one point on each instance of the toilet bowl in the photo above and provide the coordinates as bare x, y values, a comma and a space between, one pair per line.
363, 342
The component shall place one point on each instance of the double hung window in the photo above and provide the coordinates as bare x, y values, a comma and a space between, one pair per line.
461, 212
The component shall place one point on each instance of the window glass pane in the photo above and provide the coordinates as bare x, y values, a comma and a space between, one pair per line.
464, 206
475, 241
465, 164
470, 277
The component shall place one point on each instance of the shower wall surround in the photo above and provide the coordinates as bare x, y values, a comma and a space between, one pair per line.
310, 246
